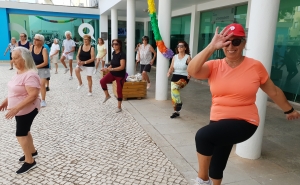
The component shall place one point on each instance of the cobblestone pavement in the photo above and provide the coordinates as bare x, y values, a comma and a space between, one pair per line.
82, 141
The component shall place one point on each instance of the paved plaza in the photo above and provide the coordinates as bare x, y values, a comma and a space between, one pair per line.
82, 141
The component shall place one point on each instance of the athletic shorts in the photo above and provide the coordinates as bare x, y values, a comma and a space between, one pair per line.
55, 59
146, 68
24, 123
68, 56
44, 73
88, 70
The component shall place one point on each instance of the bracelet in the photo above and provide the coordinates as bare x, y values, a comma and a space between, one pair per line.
290, 111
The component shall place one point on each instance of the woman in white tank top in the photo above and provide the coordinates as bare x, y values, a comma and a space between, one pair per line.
180, 76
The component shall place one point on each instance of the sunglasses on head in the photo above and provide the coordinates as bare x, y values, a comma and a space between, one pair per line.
180, 46
236, 42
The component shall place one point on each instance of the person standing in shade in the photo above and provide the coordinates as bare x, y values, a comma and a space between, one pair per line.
23, 103
145, 57
85, 62
40, 58
180, 76
234, 82
101, 49
10, 47
49, 65
54, 54
117, 72
23, 41
137, 55
68, 52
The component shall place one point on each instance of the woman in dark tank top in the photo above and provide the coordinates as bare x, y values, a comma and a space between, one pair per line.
85, 61
23, 39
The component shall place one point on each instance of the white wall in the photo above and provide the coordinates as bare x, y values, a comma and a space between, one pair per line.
105, 5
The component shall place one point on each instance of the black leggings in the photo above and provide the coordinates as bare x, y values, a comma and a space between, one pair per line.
217, 139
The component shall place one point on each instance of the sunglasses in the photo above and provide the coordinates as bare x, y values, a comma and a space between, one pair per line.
235, 42
180, 46
115, 44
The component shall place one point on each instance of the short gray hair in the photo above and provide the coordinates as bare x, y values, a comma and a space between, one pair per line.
41, 37
55, 40
68, 33
27, 57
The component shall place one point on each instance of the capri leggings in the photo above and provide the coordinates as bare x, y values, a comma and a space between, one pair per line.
217, 140
108, 78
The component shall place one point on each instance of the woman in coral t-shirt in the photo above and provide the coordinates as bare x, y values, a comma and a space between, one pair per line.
23, 103
234, 82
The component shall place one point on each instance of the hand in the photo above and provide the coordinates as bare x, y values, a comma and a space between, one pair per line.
51, 57
3, 106
11, 113
104, 69
168, 74
151, 63
292, 116
220, 39
79, 62
82, 63
189, 76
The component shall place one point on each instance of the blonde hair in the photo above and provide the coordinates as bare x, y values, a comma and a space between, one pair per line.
27, 57
87, 37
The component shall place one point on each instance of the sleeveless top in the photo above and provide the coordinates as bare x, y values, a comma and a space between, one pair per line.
180, 65
145, 54
86, 55
38, 58
25, 45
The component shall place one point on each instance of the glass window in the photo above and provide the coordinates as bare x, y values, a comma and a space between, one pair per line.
286, 55
53, 27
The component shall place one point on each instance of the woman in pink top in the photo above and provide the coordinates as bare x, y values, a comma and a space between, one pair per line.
234, 82
23, 103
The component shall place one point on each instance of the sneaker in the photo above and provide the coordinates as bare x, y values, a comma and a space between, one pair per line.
89, 94
66, 70
56, 72
47, 89
43, 103
199, 181
71, 78
11, 68
79, 86
148, 85
34, 155
118, 110
26, 167
175, 114
106, 98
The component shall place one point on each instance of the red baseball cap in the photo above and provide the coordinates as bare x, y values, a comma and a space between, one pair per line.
236, 29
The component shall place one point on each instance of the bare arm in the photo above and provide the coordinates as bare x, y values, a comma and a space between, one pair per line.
197, 67
3, 105
154, 53
33, 94
6, 50
45, 57
57, 51
171, 69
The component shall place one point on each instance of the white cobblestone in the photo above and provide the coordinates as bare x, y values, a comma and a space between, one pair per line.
82, 141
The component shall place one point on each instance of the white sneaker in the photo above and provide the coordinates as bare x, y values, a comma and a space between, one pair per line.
89, 94
66, 70
95, 71
118, 110
43, 103
106, 98
71, 78
199, 181
79, 86
148, 85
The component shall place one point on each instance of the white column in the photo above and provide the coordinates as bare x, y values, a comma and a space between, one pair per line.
194, 33
130, 62
260, 46
146, 27
104, 28
114, 24
162, 66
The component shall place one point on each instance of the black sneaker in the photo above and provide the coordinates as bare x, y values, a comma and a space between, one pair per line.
47, 89
26, 167
34, 155
11, 68
174, 115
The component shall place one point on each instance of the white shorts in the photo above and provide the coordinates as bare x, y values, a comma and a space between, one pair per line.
88, 70
103, 58
55, 59
68, 56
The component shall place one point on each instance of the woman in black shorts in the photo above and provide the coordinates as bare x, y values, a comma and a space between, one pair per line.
23, 103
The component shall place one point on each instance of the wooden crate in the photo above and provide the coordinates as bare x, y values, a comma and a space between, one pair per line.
132, 90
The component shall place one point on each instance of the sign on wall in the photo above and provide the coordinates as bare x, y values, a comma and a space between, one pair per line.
222, 15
